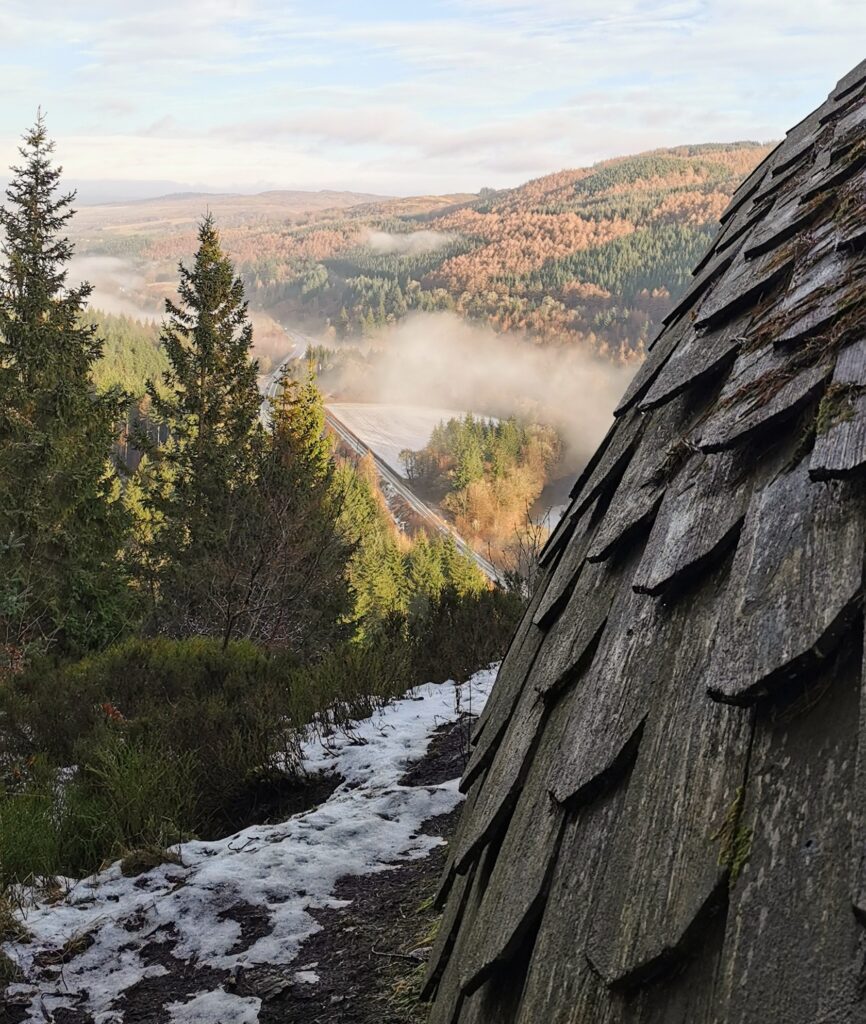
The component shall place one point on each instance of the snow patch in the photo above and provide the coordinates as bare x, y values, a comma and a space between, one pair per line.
219, 1005
368, 824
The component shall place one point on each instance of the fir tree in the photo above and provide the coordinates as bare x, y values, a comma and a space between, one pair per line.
426, 574
470, 461
377, 570
61, 521
462, 575
298, 425
210, 403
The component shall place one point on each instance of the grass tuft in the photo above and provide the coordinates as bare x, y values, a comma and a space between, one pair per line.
10, 973
12, 928
138, 862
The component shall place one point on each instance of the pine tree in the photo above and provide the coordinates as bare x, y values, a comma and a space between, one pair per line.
209, 400
62, 524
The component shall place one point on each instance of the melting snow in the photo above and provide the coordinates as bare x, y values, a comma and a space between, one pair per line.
210, 1007
368, 823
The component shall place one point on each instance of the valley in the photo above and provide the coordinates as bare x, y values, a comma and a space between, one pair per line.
591, 255
536, 302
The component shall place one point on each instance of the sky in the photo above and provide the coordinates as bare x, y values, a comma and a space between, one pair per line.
401, 98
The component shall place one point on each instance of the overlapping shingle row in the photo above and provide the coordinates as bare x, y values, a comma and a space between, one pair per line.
666, 814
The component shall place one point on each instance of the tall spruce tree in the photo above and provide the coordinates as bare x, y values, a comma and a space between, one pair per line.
299, 597
199, 481
61, 522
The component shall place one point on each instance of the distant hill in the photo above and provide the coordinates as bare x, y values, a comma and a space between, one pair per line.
589, 256
180, 211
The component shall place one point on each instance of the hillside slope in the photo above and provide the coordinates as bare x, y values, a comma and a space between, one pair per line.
590, 255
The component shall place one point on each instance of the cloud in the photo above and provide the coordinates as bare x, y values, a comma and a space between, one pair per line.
455, 94
164, 127
408, 244
373, 125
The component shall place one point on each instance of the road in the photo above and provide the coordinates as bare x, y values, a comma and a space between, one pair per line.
269, 385
422, 510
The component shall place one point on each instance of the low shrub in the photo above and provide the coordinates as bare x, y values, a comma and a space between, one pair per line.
173, 738
29, 840
456, 635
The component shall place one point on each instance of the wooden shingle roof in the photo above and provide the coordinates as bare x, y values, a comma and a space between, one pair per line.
666, 813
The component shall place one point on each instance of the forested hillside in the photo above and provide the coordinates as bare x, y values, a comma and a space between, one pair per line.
486, 473
590, 255
131, 352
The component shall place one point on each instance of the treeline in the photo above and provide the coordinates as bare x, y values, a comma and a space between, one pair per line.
487, 473
173, 632
131, 354
591, 256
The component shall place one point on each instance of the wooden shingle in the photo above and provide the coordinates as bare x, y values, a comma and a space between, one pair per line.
666, 821
840, 445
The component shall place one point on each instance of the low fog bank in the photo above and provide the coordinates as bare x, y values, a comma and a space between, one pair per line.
270, 341
119, 287
408, 244
437, 359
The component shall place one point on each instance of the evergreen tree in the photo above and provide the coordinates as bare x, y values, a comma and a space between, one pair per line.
295, 590
298, 419
426, 574
200, 480
377, 570
462, 575
470, 461
62, 524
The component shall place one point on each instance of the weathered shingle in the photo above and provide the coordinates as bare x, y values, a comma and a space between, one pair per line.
699, 519
688, 770
840, 447
703, 356
764, 391
795, 585
667, 821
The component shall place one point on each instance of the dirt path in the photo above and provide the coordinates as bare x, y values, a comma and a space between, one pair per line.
369, 957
